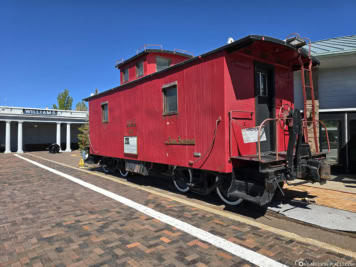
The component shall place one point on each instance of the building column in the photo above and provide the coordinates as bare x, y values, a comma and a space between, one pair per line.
59, 135
8, 137
19, 137
68, 138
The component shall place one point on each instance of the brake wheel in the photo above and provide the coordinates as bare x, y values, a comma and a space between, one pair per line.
283, 115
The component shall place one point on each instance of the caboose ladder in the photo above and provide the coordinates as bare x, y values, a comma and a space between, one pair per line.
311, 86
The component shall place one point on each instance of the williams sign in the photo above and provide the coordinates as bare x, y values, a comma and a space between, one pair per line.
40, 112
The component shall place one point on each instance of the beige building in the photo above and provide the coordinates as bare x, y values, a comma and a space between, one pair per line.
335, 86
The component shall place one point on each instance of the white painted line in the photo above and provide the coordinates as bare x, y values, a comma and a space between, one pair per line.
214, 240
231, 216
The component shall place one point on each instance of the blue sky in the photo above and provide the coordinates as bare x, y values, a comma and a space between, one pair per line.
49, 45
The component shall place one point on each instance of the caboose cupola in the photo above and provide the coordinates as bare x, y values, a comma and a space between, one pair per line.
147, 61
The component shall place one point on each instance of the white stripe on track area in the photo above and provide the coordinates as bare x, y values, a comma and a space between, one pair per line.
219, 242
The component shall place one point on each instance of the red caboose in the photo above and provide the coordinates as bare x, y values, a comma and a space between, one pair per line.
223, 120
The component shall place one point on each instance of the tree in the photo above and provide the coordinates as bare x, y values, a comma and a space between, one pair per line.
83, 137
64, 101
81, 106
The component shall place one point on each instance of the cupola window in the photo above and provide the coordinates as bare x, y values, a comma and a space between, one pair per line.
162, 63
125, 75
139, 69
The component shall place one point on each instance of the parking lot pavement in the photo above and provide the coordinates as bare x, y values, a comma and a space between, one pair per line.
48, 220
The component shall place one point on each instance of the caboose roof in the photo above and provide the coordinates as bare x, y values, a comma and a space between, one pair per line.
236, 45
147, 51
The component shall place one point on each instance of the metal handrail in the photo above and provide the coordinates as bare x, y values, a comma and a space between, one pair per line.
244, 111
326, 133
294, 33
307, 39
241, 111
278, 119
304, 123
119, 61
230, 124
304, 92
259, 136
146, 45
184, 51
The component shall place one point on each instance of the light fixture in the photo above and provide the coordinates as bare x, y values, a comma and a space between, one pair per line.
296, 41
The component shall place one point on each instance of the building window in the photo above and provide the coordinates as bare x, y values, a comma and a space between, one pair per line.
125, 75
139, 69
162, 63
105, 112
262, 83
334, 133
170, 99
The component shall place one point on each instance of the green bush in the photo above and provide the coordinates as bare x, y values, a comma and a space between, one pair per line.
83, 137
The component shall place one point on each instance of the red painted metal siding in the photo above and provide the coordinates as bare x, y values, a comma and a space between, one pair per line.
240, 95
208, 88
200, 103
239, 86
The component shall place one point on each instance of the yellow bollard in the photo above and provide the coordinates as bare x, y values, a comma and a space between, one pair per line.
81, 163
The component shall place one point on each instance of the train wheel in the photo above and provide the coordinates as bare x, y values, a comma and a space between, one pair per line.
107, 165
181, 178
222, 189
123, 173
105, 168
121, 168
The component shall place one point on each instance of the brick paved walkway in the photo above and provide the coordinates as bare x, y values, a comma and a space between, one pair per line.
48, 220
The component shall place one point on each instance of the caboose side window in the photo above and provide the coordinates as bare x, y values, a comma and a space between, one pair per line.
125, 75
105, 112
162, 63
170, 99
262, 83
139, 69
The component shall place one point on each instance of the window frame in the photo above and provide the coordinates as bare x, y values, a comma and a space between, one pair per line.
143, 68
123, 75
169, 62
102, 112
165, 87
260, 74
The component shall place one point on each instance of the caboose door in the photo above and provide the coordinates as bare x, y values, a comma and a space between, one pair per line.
265, 102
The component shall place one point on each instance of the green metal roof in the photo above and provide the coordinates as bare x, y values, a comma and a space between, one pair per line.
334, 46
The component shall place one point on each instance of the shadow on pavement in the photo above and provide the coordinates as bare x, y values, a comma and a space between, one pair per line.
345, 178
245, 208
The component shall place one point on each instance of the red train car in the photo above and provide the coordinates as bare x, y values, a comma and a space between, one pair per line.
220, 121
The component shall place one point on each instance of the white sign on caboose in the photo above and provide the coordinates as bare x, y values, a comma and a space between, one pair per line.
130, 145
250, 135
